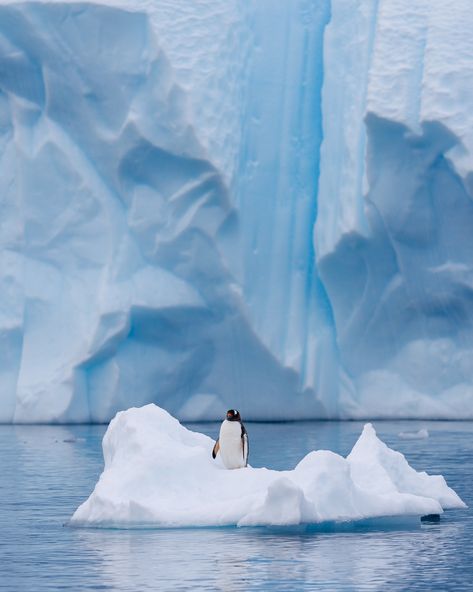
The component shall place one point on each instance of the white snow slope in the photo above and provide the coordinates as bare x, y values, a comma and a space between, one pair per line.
228, 203
158, 473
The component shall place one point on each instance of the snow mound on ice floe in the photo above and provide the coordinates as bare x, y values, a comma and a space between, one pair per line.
158, 473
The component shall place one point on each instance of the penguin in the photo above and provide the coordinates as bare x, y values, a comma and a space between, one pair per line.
232, 442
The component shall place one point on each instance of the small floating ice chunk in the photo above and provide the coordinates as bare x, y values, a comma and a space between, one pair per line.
419, 435
159, 474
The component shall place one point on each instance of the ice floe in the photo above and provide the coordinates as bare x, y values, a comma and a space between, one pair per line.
159, 474
419, 435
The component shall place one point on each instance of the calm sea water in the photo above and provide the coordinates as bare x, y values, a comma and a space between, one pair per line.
46, 472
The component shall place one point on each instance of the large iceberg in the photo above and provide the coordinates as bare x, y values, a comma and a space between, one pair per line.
254, 204
158, 473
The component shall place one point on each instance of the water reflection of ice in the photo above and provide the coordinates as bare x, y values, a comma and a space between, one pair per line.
236, 560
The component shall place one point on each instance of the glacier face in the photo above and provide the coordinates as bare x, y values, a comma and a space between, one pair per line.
394, 250
233, 203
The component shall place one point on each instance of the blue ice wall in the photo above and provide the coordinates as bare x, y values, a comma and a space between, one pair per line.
235, 204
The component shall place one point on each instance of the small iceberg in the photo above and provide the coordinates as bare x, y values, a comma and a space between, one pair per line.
159, 474
419, 435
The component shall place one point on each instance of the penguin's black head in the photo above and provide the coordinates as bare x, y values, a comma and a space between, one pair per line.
233, 415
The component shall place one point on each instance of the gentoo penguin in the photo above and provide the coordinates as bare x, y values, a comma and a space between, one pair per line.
232, 442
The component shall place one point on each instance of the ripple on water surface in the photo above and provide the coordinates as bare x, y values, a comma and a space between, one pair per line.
47, 471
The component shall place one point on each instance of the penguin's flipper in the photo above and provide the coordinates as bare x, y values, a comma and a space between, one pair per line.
216, 448
245, 444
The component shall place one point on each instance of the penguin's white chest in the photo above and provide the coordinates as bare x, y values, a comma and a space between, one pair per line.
231, 445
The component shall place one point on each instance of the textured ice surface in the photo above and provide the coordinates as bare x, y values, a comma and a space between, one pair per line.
158, 473
393, 235
225, 203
